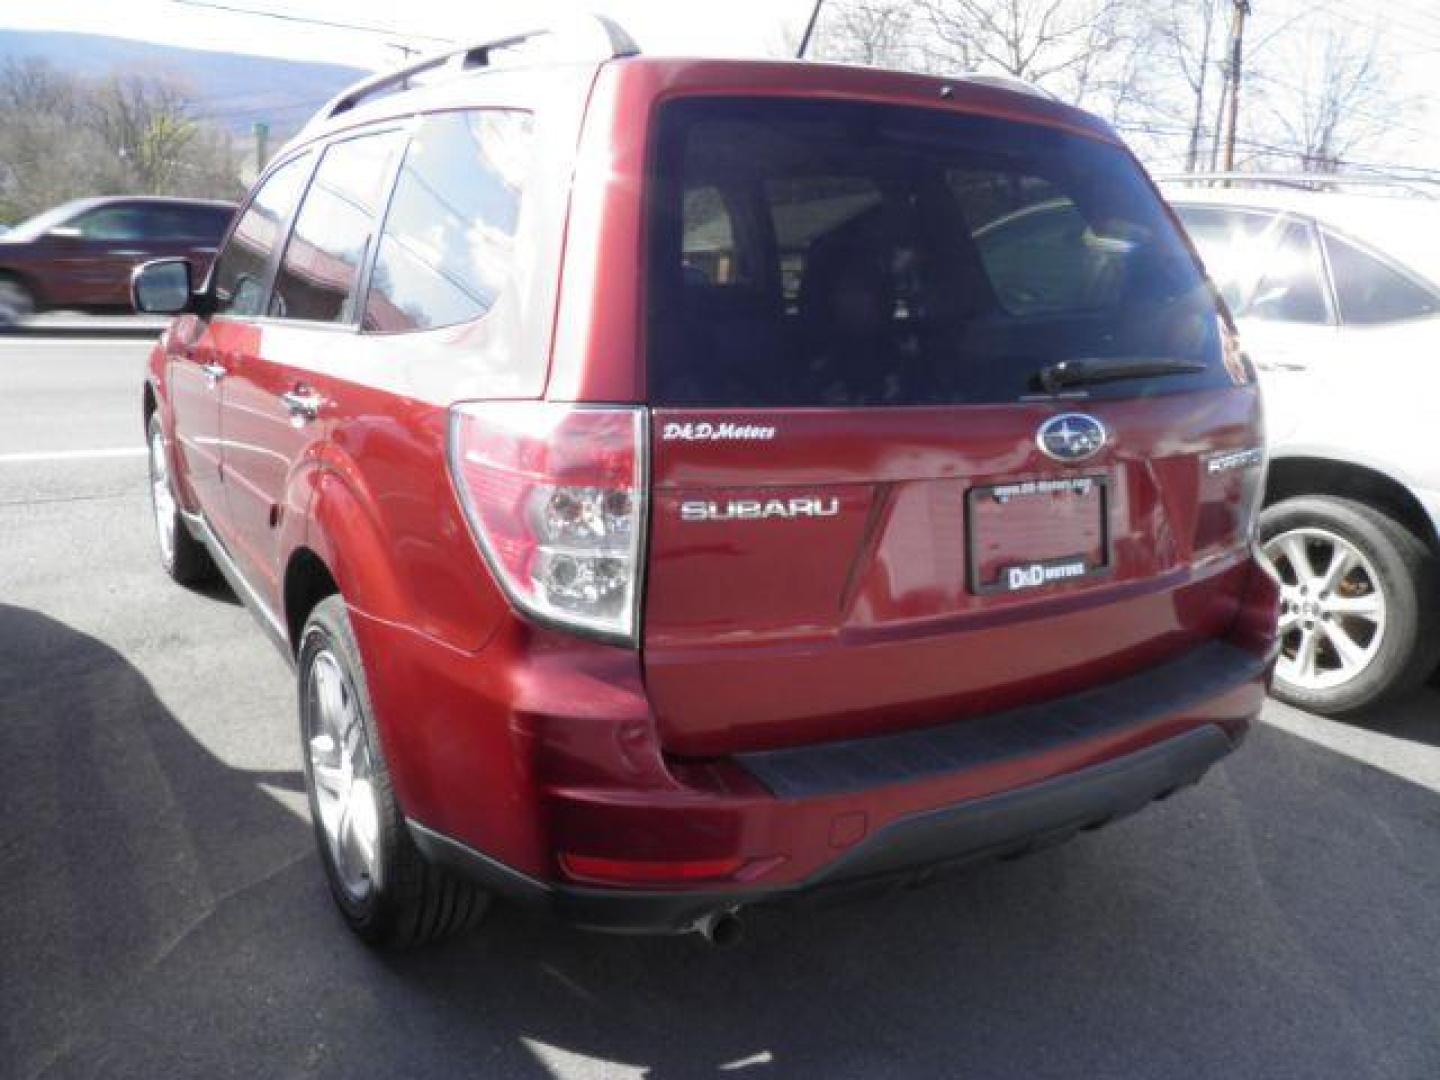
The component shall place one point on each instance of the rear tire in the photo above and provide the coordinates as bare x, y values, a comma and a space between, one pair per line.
1374, 633
183, 557
16, 301
388, 893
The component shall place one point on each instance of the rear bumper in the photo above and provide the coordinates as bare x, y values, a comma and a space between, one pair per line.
872, 812
910, 850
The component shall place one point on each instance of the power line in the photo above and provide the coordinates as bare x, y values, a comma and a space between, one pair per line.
283, 17
1259, 146
1386, 122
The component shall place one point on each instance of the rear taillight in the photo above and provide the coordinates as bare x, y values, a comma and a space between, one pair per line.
555, 495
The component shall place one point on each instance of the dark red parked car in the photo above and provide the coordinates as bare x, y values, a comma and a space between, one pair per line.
80, 256
675, 496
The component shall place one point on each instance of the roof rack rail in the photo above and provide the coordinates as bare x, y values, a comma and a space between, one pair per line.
607, 40
1419, 185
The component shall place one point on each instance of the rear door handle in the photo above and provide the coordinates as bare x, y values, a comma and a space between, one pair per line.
302, 404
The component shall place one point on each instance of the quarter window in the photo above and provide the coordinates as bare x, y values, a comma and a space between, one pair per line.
178, 222
1291, 289
1370, 291
240, 270
320, 273
446, 252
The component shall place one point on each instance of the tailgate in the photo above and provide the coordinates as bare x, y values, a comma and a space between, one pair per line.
860, 318
848, 575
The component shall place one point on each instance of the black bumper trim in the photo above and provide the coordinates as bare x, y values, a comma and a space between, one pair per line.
911, 849
1169, 689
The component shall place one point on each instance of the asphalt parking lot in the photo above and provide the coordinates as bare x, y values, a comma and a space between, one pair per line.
164, 915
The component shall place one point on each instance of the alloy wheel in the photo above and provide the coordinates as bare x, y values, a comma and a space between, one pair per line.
343, 775
162, 499
15, 303
1332, 608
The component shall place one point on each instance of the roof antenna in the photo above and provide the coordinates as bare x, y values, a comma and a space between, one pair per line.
809, 29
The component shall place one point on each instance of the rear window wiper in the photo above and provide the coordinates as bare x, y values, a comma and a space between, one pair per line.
1055, 377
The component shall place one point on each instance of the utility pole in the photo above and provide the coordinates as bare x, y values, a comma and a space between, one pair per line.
1237, 48
262, 147
809, 29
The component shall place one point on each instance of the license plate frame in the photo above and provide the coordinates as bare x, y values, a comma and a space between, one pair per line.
1042, 573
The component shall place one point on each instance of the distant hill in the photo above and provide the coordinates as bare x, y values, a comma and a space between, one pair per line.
233, 89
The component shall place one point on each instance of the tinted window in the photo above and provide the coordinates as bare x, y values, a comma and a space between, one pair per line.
1042, 258
1232, 244
240, 271
708, 242
1371, 292
1291, 288
111, 223
321, 269
446, 250
164, 223
180, 222
820, 253
803, 208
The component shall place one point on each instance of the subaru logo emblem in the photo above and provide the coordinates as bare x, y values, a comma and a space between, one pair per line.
1071, 437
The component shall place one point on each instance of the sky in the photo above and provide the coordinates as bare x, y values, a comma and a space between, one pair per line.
1407, 30
738, 27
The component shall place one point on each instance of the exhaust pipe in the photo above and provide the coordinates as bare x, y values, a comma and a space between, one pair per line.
722, 929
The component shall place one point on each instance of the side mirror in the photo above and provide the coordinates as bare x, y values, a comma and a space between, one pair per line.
162, 287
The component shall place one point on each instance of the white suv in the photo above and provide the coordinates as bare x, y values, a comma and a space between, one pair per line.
1337, 298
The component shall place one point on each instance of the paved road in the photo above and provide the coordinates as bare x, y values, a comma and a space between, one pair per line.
162, 913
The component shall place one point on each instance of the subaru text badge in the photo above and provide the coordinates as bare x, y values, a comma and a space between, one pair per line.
1071, 437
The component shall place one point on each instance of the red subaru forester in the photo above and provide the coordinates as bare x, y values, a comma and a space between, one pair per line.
688, 484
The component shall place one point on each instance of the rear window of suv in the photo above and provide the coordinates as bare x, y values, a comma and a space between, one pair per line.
809, 253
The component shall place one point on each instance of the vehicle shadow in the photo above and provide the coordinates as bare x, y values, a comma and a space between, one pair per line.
165, 917
218, 589
1416, 718
121, 834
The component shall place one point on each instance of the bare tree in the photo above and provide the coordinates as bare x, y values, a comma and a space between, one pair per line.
1326, 97
873, 32
1087, 52
1189, 39
144, 122
1317, 91
62, 137
30, 85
